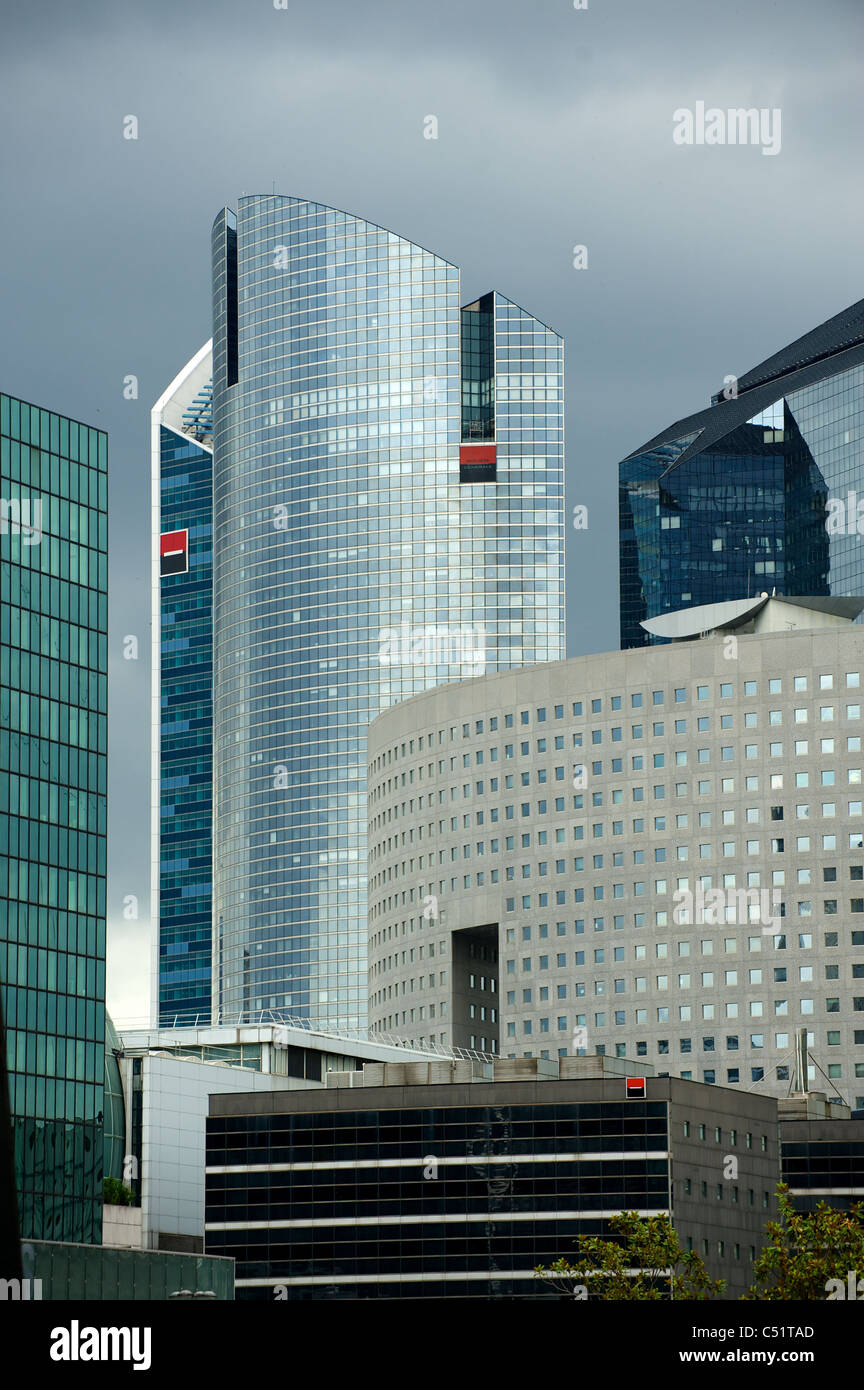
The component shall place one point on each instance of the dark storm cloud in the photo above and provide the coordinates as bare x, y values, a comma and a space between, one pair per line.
555, 129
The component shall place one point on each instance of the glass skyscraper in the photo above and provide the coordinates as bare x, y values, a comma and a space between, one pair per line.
182, 736
387, 494
53, 753
756, 492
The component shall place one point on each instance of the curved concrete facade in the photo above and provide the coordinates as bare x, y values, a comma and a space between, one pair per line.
662, 848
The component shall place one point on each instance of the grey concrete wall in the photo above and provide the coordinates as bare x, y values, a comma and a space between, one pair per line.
749, 728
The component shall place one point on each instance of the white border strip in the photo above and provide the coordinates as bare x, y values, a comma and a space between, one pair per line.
825, 1191
448, 1161
420, 1219
475, 1275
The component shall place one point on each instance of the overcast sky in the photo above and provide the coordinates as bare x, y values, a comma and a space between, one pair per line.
554, 130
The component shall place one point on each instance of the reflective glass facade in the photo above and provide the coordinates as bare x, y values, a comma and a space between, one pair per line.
353, 565
114, 1136
186, 734
757, 492
53, 742
478, 369
72, 1274
823, 1161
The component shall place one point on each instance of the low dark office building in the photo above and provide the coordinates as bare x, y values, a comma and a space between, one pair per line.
822, 1152
456, 1179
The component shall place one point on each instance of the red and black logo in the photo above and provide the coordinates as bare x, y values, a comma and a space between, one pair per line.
478, 463
174, 548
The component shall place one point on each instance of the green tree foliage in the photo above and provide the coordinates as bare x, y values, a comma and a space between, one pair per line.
645, 1262
806, 1250
116, 1194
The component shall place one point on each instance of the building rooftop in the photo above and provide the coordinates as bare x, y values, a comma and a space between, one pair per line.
286, 1031
835, 346
766, 613
843, 330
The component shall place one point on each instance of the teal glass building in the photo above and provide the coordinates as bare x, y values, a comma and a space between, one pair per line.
759, 491
53, 747
387, 516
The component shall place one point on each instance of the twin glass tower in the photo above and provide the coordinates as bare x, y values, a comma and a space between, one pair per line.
358, 495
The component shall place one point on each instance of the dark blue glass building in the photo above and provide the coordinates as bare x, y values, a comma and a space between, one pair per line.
183, 692
755, 493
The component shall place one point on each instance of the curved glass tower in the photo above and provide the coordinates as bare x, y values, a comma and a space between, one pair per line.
387, 516
756, 492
